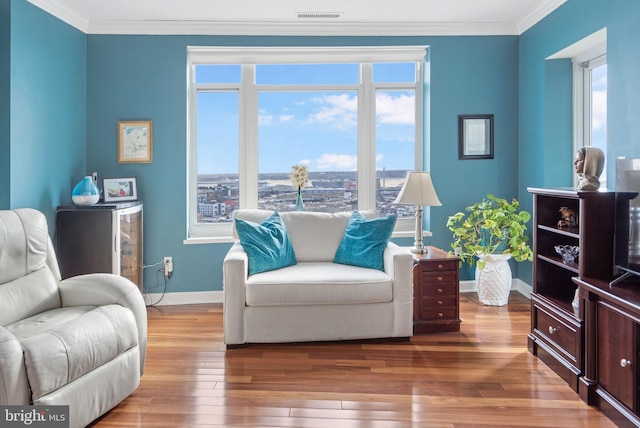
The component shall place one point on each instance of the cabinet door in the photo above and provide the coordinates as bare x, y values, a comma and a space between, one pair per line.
616, 362
130, 238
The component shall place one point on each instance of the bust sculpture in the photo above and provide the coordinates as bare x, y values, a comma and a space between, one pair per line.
588, 164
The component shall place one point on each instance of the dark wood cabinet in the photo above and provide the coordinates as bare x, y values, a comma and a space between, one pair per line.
436, 292
612, 327
101, 238
557, 319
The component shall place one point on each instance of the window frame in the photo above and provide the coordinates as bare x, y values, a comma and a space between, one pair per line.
583, 64
248, 58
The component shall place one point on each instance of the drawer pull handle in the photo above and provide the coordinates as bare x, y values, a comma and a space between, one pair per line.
440, 266
440, 302
439, 290
625, 363
440, 315
552, 329
440, 278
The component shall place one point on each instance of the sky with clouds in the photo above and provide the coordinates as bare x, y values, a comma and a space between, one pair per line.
313, 127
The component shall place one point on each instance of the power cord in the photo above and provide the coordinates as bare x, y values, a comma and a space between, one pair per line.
159, 283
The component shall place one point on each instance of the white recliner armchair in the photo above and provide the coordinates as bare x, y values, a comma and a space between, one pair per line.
80, 342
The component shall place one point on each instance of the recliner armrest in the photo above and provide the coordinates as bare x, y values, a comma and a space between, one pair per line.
14, 386
98, 289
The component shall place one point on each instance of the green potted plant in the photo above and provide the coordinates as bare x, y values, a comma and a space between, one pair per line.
491, 232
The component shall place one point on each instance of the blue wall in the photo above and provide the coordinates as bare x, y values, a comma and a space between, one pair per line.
570, 23
144, 77
47, 123
5, 99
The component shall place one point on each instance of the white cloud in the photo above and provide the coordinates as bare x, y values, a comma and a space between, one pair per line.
379, 157
264, 118
339, 110
286, 117
395, 110
599, 114
336, 161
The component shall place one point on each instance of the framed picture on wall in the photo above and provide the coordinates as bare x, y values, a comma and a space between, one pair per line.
135, 141
120, 189
475, 136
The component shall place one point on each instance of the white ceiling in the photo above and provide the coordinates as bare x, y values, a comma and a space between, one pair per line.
280, 17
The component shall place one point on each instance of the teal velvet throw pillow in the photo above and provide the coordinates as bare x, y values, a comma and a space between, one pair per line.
267, 244
364, 241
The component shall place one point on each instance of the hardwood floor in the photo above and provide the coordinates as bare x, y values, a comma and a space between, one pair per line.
480, 376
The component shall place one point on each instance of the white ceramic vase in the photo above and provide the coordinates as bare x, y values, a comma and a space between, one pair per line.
494, 281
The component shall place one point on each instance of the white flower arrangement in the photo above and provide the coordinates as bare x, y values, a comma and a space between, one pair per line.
299, 176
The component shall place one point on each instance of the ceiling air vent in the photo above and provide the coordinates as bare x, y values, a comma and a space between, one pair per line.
318, 15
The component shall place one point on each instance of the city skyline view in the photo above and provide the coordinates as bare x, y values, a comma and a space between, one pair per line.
306, 114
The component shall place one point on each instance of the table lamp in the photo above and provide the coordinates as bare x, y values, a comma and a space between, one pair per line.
418, 190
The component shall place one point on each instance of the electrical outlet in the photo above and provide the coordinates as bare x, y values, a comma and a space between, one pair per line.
168, 266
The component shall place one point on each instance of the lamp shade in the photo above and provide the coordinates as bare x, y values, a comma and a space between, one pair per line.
418, 190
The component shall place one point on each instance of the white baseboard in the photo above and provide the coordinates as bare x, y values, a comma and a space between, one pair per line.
517, 285
194, 297
184, 298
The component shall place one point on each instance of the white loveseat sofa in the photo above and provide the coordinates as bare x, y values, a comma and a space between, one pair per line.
316, 299
79, 342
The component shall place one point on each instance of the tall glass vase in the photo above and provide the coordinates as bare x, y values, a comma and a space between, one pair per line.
299, 201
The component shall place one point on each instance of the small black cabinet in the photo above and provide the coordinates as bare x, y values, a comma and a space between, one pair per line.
101, 238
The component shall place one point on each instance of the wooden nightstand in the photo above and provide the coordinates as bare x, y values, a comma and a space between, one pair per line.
436, 292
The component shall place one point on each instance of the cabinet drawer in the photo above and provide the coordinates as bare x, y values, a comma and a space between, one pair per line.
439, 290
438, 277
443, 313
439, 302
564, 337
451, 265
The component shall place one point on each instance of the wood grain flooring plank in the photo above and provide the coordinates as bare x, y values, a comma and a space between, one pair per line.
481, 376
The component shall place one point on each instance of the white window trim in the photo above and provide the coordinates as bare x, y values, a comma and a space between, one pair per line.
582, 66
248, 167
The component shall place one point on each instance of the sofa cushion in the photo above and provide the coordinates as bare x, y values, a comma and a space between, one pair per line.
317, 283
314, 235
72, 349
364, 241
267, 244
33, 293
46, 320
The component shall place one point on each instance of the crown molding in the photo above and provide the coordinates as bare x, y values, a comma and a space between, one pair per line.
306, 28
538, 14
63, 13
296, 28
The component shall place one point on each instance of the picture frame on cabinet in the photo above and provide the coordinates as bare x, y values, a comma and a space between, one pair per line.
475, 136
120, 189
135, 141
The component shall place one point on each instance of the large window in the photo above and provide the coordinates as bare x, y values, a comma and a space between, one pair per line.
353, 116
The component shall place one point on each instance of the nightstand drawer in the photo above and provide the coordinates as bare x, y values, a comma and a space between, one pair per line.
450, 265
562, 336
438, 277
439, 290
435, 292
440, 302
444, 313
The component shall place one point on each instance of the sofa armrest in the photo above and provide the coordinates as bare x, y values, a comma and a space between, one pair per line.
398, 264
98, 289
14, 386
235, 274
